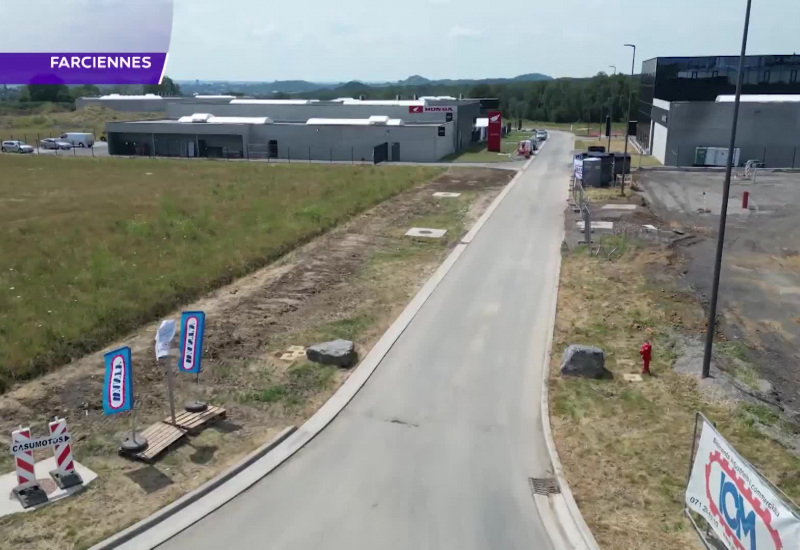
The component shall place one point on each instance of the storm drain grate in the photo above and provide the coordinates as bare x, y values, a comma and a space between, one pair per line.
544, 486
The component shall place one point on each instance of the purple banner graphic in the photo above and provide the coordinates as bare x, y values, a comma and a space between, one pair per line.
82, 68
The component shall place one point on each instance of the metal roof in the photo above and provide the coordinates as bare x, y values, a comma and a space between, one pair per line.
206, 118
760, 98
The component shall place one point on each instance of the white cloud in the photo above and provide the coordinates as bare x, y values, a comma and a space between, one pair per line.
464, 32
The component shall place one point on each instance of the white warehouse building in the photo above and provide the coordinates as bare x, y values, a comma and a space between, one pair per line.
345, 129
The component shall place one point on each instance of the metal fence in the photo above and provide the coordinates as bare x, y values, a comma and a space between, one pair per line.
776, 156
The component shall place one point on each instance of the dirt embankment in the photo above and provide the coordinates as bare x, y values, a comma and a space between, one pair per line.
350, 283
625, 445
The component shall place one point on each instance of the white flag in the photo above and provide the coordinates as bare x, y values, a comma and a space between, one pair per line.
164, 336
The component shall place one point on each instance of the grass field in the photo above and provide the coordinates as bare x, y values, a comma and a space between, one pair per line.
52, 121
637, 436
618, 145
95, 247
479, 153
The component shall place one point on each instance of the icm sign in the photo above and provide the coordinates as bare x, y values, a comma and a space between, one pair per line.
738, 504
118, 383
192, 328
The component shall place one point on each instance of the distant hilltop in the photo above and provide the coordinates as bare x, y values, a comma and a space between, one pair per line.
304, 87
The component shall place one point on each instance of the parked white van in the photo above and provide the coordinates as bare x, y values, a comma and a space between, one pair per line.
79, 139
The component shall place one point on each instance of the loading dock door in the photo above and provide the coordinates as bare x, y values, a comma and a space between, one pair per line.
395, 152
380, 153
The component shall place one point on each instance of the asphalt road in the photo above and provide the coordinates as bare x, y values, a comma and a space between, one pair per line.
436, 450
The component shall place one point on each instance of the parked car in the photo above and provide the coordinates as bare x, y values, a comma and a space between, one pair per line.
15, 146
79, 139
541, 135
53, 143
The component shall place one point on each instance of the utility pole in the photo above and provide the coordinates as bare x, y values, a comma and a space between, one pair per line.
610, 125
723, 215
628, 120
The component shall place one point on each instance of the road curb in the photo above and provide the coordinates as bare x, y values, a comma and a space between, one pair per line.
570, 519
193, 507
168, 511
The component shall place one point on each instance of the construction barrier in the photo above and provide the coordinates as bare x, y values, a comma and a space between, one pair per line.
64, 474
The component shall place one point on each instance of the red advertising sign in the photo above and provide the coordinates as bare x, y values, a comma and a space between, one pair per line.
415, 108
495, 130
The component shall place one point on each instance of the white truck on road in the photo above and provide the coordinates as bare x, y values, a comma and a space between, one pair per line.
79, 139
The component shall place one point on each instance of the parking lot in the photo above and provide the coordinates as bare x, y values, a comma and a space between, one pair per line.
760, 281
100, 149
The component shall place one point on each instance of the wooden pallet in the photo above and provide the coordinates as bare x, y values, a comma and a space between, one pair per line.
195, 422
160, 437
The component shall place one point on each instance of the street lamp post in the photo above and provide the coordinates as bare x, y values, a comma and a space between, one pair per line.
723, 215
610, 112
628, 120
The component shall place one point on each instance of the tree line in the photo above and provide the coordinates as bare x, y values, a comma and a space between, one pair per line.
559, 100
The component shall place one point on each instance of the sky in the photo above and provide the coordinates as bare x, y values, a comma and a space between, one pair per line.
94, 26
378, 40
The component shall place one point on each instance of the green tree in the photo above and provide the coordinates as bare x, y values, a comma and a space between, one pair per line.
48, 92
167, 88
86, 90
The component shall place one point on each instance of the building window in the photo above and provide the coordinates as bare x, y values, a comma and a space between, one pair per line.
793, 77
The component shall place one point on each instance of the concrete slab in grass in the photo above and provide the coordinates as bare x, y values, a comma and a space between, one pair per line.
426, 232
597, 225
618, 207
10, 505
446, 195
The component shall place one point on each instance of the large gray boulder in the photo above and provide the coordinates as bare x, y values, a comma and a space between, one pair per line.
585, 361
341, 353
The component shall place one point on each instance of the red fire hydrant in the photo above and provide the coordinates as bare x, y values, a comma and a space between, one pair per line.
646, 351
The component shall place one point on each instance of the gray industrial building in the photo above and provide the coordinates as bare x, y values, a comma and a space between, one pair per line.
420, 130
768, 131
685, 106
376, 139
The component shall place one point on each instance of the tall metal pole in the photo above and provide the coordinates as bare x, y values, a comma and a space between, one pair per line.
628, 120
726, 189
611, 113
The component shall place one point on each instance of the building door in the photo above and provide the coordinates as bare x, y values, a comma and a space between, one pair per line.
380, 153
395, 152
190, 149
203, 148
273, 149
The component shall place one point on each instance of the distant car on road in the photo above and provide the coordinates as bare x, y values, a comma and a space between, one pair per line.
541, 135
15, 146
79, 139
53, 143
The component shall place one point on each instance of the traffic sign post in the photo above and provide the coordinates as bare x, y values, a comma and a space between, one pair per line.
64, 475
27, 491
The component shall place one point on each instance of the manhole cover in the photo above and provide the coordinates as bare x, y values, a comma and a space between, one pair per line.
544, 486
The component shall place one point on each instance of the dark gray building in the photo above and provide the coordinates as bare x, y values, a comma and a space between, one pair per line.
768, 131
670, 84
